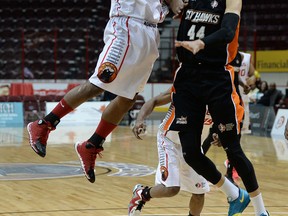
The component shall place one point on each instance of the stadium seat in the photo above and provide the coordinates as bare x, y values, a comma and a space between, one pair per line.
21, 89
14, 98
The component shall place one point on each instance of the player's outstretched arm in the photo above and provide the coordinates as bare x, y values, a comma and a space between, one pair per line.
147, 109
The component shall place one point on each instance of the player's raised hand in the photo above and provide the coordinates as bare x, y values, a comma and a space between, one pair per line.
216, 141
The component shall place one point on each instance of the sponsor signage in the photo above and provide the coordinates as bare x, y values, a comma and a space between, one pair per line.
88, 113
272, 61
11, 114
79, 124
279, 123
281, 146
261, 118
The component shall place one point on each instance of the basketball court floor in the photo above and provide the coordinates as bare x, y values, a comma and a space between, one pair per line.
55, 185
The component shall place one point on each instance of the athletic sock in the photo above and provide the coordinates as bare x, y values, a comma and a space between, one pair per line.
146, 193
231, 191
53, 119
258, 204
105, 128
61, 109
96, 140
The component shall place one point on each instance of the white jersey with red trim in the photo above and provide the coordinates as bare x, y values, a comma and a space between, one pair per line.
243, 75
148, 10
244, 68
131, 40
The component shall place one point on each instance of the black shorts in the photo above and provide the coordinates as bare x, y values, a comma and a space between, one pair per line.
201, 85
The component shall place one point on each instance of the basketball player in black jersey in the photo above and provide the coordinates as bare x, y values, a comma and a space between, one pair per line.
207, 41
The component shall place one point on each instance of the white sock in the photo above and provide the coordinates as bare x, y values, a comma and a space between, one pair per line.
258, 204
231, 191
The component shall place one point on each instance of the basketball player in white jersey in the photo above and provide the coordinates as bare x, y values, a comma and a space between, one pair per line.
131, 42
173, 173
246, 79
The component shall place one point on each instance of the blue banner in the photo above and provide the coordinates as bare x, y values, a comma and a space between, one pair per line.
11, 114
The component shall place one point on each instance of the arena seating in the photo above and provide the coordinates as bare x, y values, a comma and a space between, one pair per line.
61, 39
268, 20
47, 34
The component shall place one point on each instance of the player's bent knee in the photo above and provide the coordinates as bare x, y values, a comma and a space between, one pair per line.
89, 90
124, 102
172, 191
198, 197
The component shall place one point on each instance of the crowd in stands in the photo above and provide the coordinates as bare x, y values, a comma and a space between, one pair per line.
61, 39
266, 94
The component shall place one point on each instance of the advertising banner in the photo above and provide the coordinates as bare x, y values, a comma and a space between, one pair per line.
272, 61
11, 114
11, 123
281, 146
279, 123
78, 125
261, 119
88, 113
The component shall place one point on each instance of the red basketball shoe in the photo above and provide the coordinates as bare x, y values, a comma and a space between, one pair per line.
38, 132
87, 154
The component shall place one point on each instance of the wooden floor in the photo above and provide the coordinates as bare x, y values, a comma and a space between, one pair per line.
55, 185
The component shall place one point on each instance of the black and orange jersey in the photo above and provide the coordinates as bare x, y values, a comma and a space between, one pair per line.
200, 19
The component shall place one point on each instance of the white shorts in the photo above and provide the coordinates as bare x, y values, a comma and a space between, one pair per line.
127, 59
172, 169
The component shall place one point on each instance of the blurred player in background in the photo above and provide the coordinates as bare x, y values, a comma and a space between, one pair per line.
246, 80
131, 40
173, 173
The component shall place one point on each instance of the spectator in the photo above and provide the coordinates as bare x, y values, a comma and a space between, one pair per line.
286, 91
272, 97
263, 88
28, 73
